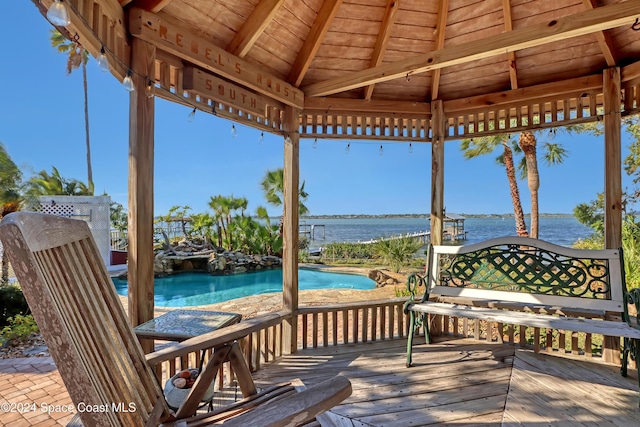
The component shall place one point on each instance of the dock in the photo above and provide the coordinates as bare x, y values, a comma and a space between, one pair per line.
309, 230
422, 236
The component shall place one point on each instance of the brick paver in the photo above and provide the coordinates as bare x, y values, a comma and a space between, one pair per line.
27, 387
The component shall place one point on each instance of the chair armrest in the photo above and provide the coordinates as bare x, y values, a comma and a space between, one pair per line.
298, 408
216, 338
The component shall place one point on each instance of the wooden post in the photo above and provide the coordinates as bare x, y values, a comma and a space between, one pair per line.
290, 228
141, 123
613, 159
612, 182
437, 171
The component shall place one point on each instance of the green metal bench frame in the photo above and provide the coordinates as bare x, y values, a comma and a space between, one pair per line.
497, 280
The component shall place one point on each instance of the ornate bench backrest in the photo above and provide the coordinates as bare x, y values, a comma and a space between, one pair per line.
528, 270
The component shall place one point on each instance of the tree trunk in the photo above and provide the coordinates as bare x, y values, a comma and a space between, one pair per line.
86, 127
521, 226
528, 144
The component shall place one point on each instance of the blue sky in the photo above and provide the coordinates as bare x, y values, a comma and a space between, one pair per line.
42, 125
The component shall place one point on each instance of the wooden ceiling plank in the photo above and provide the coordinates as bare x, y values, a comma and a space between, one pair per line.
604, 40
441, 25
311, 44
578, 24
154, 6
254, 26
383, 39
511, 56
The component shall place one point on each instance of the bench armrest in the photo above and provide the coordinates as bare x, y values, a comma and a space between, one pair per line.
216, 338
632, 298
414, 281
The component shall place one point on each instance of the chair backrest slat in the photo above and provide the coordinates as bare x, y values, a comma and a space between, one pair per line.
75, 304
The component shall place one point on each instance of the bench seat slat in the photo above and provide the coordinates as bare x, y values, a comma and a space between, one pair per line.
593, 326
530, 308
529, 298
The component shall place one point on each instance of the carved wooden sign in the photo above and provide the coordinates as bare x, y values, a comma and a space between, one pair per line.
209, 86
175, 38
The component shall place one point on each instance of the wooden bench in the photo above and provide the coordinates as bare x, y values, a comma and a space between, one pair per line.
527, 282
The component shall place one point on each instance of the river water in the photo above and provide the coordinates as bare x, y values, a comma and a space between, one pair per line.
560, 230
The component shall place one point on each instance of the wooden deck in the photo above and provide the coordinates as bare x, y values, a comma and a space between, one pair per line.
465, 382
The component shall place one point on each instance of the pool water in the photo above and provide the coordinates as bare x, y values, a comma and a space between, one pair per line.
191, 289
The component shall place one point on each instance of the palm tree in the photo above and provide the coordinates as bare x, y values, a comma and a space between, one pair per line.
475, 147
77, 56
553, 154
223, 208
268, 235
201, 225
273, 187
54, 184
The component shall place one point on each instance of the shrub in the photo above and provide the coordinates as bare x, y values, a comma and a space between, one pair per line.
630, 248
348, 251
20, 327
12, 303
397, 252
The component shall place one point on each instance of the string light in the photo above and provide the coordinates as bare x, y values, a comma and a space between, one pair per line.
103, 61
150, 89
127, 82
234, 132
315, 143
192, 115
410, 148
261, 140
381, 150
58, 14
346, 150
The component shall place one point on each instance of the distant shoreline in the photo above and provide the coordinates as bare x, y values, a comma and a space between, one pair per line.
364, 216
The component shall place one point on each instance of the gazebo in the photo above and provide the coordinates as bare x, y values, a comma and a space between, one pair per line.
389, 70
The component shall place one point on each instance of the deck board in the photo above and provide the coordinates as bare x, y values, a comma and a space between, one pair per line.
462, 382
553, 390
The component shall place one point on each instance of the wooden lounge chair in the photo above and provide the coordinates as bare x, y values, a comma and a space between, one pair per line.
109, 378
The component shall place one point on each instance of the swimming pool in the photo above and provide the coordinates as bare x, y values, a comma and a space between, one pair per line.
190, 289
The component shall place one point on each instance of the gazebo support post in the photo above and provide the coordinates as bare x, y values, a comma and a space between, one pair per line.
437, 171
290, 228
612, 181
141, 140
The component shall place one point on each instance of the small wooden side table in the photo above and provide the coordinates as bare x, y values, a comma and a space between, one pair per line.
180, 325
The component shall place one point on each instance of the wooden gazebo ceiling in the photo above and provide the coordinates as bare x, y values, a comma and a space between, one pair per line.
372, 68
